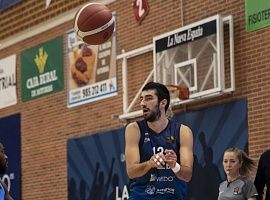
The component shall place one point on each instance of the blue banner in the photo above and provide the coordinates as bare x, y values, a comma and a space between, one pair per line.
10, 137
96, 167
7, 3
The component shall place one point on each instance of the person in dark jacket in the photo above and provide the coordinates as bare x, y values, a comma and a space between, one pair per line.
262, 178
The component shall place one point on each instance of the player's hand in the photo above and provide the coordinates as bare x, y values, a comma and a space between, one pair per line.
157, 161
170, 157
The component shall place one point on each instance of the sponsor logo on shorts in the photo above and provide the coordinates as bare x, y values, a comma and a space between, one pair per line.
153, 178
165, 191
150, 189
165, 179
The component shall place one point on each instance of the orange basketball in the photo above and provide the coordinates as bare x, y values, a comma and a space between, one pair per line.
94, 23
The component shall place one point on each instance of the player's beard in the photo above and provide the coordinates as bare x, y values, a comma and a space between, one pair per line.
153, 115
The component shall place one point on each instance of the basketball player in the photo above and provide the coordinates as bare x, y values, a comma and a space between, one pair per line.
159, 155
4, 194
238, 186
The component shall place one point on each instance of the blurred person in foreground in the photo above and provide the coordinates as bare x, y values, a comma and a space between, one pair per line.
262, 178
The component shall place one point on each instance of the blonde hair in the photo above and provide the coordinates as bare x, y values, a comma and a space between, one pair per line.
247, 163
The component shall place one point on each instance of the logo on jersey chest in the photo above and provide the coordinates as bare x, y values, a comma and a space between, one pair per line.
146, 138
170, 139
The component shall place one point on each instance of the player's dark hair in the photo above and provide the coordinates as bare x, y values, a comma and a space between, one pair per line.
162, 92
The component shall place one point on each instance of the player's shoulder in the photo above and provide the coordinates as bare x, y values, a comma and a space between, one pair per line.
132, 132
185, 128
246, 179
181, 126
132, 125
223, 186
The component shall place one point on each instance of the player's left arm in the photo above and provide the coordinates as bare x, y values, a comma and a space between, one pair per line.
186, 154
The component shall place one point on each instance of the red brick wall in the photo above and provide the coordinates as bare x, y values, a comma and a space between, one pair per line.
47, 123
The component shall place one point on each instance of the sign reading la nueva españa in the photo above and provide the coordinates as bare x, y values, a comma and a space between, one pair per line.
42, 69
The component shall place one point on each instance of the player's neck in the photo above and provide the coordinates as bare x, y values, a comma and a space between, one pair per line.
158, 125
232, 178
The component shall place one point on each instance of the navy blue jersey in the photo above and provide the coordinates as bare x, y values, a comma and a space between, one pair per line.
158, 184
2, 192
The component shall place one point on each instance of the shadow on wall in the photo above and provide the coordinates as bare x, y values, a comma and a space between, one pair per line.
206, 178
99, 190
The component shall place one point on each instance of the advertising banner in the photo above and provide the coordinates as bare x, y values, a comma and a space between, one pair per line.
42, 69
8, 94
257, 14
91, 74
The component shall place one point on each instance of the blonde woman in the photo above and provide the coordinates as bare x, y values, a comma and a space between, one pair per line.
238, 186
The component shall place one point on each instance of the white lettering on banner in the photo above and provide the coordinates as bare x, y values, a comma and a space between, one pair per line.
42, 90
105, 45
104, 54
7, 81
42, 79
192, 34
104, 50
32, 82
48, 77
125, 194
178, 38
103, 70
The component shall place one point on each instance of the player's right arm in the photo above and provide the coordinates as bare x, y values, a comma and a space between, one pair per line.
132, 153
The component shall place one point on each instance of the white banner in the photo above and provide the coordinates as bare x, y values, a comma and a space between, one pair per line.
8, 94
91, 70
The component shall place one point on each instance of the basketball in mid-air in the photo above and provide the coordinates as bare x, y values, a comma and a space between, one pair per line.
94, 23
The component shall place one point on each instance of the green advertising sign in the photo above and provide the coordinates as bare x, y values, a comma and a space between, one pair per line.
42, 69
257, 14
